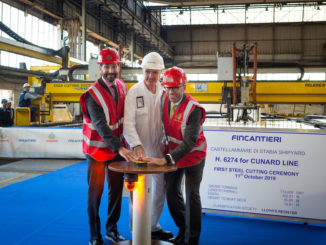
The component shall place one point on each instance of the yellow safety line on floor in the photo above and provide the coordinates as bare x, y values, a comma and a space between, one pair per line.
24, 171
10, 179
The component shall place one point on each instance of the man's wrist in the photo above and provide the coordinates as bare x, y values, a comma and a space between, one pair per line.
169, 159
135, 147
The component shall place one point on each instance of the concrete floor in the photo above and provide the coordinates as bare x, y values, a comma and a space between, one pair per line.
17, 170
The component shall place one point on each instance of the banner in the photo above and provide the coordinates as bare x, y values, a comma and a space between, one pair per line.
266, 172
41, 142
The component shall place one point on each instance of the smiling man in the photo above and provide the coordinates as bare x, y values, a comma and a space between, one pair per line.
143, 130
103, 110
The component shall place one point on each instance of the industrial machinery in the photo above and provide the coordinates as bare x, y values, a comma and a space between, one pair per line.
62, 85
49, 109
237, 97
60, 101
59, 93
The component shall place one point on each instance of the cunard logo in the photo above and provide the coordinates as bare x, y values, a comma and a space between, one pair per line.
178, 117
51, 138
3, 137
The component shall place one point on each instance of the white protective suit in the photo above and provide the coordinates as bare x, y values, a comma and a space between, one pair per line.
143, 126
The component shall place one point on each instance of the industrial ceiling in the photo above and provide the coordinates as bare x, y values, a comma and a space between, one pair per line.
137, 28
224, 2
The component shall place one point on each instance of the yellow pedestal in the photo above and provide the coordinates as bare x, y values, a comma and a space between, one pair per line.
22, 116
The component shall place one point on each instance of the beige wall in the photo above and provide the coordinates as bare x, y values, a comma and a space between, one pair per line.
276, 42
14, 88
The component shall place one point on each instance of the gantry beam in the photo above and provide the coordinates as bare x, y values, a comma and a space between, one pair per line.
273, 92
33, 51
267, 92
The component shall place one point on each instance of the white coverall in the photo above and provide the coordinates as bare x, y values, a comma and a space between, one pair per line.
142, 126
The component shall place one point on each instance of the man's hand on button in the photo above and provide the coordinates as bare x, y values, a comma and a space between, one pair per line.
156, 161
139, 150
127, 154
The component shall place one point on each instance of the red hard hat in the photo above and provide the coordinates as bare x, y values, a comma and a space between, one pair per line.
108, 56
174, 77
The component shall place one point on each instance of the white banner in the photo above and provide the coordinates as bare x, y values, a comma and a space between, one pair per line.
266, 172
41, 142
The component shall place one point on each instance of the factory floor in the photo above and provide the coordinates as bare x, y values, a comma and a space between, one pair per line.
57, 214
16, 170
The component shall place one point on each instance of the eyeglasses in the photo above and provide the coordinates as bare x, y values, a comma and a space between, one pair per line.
173, 88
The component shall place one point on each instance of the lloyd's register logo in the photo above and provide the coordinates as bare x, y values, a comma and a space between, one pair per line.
51, 138
3, 137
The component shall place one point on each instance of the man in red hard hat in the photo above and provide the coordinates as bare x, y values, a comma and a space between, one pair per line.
183, 118
103, 109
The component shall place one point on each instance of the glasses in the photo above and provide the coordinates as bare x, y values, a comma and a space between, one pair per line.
173, 88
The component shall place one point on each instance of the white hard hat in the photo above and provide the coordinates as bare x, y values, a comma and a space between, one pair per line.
26, 85
153, 61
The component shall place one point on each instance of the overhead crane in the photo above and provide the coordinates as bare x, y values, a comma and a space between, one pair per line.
210, 92
267, 92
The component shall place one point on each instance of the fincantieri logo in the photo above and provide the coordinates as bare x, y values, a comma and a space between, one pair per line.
75, 140
3, 137
51, 138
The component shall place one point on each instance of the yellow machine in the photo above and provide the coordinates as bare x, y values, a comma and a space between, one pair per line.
51, 108
268, 92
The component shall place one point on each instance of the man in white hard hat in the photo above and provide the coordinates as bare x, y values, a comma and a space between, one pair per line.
25, 100
143, 130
